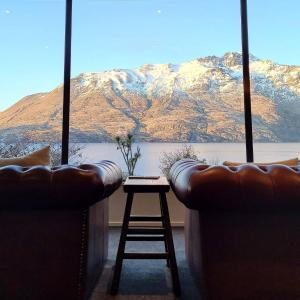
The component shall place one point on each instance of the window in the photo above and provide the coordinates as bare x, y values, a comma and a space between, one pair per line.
167, 71
275, 78
32, 43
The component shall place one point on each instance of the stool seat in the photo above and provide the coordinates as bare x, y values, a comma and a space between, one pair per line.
145, 185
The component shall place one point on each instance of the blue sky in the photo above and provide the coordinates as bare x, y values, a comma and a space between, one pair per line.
111, 34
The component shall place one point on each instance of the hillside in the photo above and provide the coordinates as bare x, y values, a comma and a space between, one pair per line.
197, 101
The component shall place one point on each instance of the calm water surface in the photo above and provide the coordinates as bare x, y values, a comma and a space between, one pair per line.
212, 152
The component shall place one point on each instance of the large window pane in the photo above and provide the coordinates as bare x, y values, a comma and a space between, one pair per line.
169, 72
31, 59
275, 78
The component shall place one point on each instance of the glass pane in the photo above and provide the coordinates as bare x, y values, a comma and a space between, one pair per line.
275, 78
31, 59
169, 72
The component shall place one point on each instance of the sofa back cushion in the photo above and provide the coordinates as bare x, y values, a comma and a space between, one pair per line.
39, 157
65, 186
243, 188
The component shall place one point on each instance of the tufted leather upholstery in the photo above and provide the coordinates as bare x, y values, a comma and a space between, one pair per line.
244, 188
64, 186
242, 229
53, 229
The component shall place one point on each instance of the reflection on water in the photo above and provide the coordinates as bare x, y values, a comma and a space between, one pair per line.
213, 152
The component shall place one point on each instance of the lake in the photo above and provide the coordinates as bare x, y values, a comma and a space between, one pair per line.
212, 152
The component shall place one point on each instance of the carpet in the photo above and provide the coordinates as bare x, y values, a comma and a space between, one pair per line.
146, 279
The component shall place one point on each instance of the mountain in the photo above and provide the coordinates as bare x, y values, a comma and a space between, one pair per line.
196, 101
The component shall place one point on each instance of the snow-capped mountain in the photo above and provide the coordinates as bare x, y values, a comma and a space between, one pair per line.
196, 101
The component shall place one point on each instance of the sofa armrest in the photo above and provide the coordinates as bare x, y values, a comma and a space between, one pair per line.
64, 186
244, 188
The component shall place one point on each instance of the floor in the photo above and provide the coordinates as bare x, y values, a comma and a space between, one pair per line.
146, 279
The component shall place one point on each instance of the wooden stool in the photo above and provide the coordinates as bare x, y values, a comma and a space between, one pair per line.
163, 233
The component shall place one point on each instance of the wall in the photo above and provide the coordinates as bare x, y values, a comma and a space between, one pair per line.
146, 204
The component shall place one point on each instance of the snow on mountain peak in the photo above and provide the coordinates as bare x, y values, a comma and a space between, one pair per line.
165, 78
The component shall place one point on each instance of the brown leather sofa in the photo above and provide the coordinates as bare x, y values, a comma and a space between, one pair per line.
242, 229
54, 229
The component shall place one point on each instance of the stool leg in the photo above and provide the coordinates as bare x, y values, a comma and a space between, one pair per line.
169, 237
122, 244
164, 226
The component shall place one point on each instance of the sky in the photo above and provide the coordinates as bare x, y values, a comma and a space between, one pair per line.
111, 34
